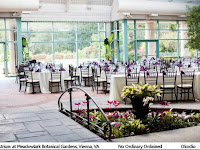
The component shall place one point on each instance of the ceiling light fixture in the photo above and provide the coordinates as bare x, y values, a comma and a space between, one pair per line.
154, 15
126, 13
26, 12
182, 16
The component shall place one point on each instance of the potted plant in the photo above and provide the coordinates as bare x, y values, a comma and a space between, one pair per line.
24, 49
193, 28
107, 43
140, 96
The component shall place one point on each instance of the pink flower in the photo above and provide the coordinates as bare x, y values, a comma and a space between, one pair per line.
90, 117
116, 125
165, 103
78, 103
109, 117
115, 103
126, 116
110, 102
93, 116
78, 111
84, 102
158, 111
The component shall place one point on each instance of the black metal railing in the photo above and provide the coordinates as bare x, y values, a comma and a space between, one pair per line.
105, 131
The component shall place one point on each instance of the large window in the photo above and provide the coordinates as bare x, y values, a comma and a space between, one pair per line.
8, 45
157, 38
65, 42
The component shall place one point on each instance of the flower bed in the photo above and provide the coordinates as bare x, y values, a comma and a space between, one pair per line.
125, 123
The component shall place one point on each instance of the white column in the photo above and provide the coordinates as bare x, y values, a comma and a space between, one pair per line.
184, 51
150, 34
11, 62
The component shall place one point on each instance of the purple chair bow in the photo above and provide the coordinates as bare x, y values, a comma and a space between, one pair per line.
142, 68
106, 65
107, 69
115, 70
39, 63
80, 66
152, 58
180, 65
117, 66
62, 69
129, 70
39, 70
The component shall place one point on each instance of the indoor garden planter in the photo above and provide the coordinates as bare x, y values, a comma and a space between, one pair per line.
115, 122
140, 96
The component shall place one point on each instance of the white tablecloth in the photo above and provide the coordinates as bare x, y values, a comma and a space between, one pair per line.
44, 78
118, 82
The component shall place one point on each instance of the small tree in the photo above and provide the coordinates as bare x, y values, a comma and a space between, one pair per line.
193, 22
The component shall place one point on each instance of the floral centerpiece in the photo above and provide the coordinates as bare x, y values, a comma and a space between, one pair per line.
140, 96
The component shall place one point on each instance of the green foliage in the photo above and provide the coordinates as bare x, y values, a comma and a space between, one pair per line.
125, 123
140, 91
24, 42
167, 46
193, 22
109, 51
173, 27
24, 48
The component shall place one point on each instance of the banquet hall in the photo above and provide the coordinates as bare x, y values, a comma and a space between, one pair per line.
65, 62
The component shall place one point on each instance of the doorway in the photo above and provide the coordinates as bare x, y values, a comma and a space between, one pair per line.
147, 49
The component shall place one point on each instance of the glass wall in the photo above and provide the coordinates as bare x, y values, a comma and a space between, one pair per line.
9, 47
65, 42
158, 38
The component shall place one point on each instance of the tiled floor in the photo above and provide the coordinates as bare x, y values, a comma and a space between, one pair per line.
10, 97
43, 126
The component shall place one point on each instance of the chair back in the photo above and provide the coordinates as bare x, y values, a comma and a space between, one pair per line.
187, 77
152, 67
169, 78
28, 75
151, 77
72, 72
86, 71
132, 77
108, 75
55, 75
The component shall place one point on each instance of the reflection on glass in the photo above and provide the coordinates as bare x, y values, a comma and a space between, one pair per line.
65, 53
168, 48
41, 52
